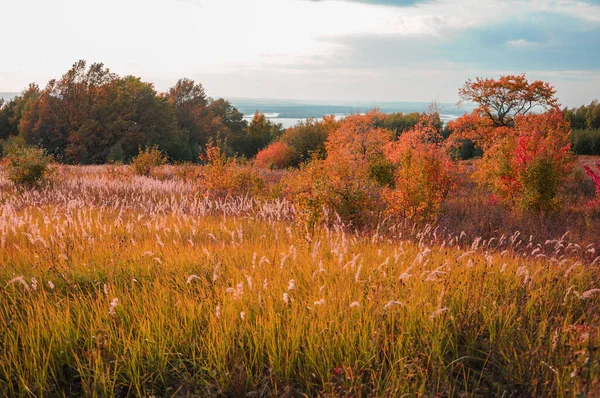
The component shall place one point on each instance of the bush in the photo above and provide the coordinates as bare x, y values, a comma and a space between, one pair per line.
147, 160
595, 176
27, 166
424, 173
345, 182
278, 155
221, 177
528, 165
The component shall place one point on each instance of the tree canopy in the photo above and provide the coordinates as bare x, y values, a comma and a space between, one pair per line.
92, 115
500, 100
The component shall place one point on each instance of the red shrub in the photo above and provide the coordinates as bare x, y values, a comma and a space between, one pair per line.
424, 174
595, 176
278, 155
527, 163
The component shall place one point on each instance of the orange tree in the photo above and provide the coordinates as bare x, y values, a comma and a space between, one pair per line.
424, 172
342, 183
526, 156
502, 100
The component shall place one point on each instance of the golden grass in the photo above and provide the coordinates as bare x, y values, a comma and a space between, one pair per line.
139, 288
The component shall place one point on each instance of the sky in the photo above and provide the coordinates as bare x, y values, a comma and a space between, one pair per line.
326, 50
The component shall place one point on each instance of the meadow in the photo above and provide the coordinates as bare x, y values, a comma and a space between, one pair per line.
114, 284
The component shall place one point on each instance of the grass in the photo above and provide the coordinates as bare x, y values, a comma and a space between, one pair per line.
131, 286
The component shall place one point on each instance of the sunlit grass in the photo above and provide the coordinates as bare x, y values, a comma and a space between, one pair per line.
150, 293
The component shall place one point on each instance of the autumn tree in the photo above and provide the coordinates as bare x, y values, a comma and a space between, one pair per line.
503, 99
423, 172
358, 137
527, 165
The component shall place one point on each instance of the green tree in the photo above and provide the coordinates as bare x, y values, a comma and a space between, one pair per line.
260, 133
192, 114
307, 138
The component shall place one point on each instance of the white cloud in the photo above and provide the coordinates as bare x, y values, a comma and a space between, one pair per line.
521, 43
250, 47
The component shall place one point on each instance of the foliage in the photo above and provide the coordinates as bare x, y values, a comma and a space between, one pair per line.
358, 138
278, 155
424, 173
399, 122
586, 142
344, 183
586, 117
308, 138
595, 176
500, 101
222, 177
147, 160
27, 166
480, 130
260, 133
232, 127
527, 166
141, 289
195, 121
310, 190
91, 115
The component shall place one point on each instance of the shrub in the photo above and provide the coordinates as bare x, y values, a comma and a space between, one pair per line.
27, 166
595, 176
344, 183
187, 171
278, 155
358, 137
147, 160
424, 173
309, 189
528, 165
222, 177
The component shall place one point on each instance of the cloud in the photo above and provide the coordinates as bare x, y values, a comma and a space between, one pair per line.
521, 43
375, 49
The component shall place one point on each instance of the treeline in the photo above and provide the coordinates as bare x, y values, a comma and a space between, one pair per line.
93, 116
585, 122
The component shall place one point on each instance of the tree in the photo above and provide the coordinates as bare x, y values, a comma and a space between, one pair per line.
527, 165
307, 138
502, 100
358, 137
260, 133
232, 127
424, 173
194, 118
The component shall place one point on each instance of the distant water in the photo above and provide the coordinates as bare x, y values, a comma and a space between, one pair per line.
8, 96
289, 112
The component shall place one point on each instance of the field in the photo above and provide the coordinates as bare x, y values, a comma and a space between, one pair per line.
119, 285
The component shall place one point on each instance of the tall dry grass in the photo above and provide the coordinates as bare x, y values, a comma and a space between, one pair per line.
119, 285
